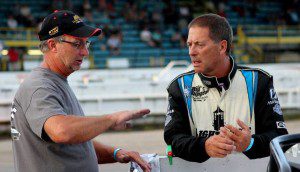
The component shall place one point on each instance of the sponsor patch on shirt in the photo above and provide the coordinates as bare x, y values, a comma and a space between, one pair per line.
206, 82
273, 97
218, 119
277, 109
199, 93
207, 133
186, 92
169, 112
280, 124
168, 115
273, 94
15, 134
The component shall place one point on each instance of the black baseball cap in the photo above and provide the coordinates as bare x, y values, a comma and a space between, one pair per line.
66, 22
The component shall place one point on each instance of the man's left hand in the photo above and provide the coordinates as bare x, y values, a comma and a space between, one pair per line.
241, 138
124, 156
121, 118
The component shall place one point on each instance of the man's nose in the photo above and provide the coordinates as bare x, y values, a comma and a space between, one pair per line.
192, 51
84, 51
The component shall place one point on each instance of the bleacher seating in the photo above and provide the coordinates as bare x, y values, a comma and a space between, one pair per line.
139, 53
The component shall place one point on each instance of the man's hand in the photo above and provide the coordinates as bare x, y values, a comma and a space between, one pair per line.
241, 138
219, 147
121, 118
124, 156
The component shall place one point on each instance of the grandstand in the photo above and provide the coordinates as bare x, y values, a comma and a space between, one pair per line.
261, 29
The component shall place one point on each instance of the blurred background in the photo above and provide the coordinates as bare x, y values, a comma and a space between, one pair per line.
152, 33
142, 48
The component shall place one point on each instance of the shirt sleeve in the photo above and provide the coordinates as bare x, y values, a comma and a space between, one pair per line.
177, 131
44, 103
269, 122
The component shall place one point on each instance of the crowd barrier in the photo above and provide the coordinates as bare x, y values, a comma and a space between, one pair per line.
106, 91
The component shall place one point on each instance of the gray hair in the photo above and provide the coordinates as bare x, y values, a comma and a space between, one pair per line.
44, 44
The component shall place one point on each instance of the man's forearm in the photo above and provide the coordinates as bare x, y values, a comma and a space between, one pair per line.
104, 153
71, 129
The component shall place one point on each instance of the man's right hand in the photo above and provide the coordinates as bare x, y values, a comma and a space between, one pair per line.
219, 147
121, 118
124, 156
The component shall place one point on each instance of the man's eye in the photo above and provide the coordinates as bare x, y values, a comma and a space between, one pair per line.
77, 45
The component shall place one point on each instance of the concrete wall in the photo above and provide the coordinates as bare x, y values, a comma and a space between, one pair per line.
106, 91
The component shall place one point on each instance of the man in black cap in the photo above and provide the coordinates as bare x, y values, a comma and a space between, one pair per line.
48, 127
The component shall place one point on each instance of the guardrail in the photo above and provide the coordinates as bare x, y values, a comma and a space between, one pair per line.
156, 102
100, 92
264, 34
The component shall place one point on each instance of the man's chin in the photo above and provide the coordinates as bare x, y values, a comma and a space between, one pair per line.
75, 68
198, 70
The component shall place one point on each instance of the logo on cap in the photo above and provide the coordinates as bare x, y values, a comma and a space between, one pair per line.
77, 19
53, 31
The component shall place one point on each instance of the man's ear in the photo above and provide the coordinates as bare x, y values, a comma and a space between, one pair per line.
52, 45
223, 46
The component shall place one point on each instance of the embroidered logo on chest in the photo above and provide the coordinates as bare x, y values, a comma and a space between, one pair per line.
217, 123
218, 119
199, 93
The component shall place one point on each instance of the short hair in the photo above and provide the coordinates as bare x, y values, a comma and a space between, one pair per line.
219, 28
44, 44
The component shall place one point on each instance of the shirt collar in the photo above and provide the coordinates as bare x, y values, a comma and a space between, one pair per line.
212, 82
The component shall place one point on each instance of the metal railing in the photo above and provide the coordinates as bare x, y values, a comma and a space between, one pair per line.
19, 37
100, 92
264, 34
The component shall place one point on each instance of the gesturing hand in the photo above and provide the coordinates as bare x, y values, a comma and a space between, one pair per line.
121, 118
124, 156
219, 147
241, 138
